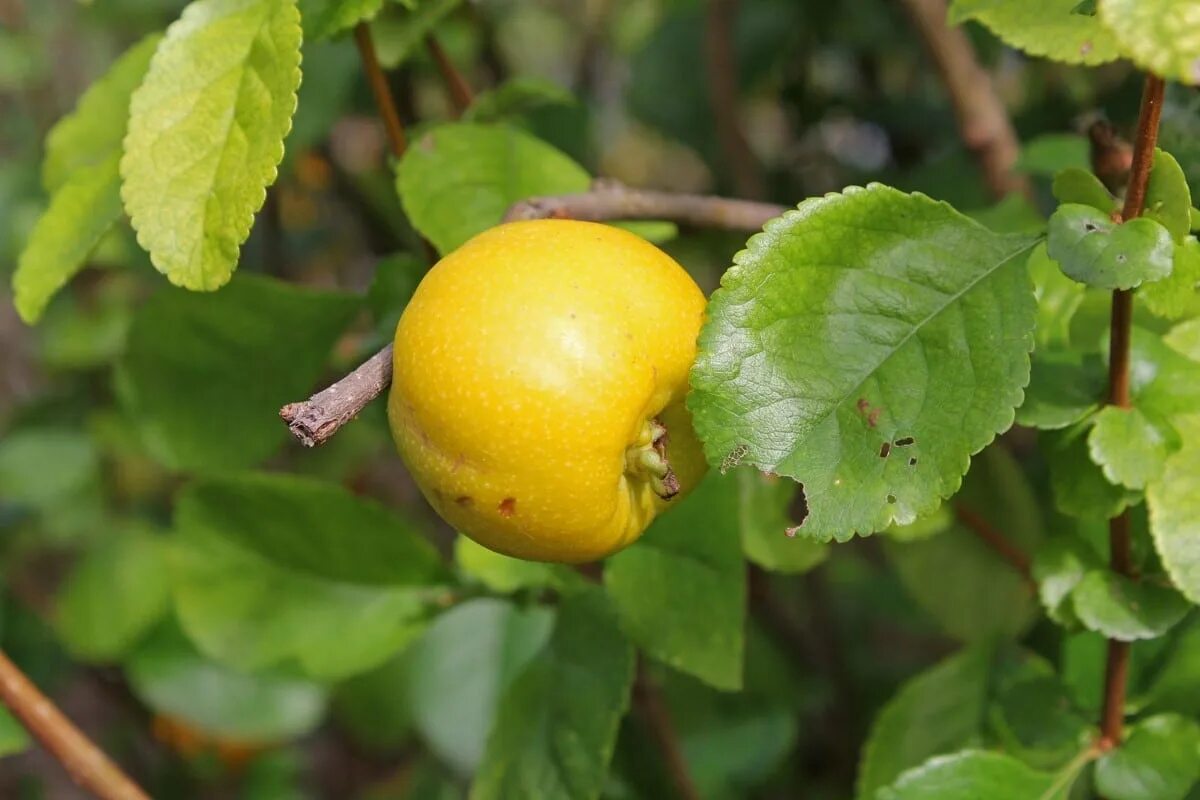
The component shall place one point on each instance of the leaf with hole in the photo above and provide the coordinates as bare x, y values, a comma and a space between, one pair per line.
1094, 250
861, 323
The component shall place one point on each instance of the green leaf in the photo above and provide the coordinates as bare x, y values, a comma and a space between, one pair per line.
1124, 609
302, 524
1174, 503
1130, 447
206, 130
46, 467
13, 736
1058, 567
1034, 720
116, 592
252, 611
1159, 760
375, 707
940, 710
505, 574
1094, 250
1065, 386
516, 96
1058, 298
168, 675
185, 373
1163, 381
1175, 296
1079, 486
976, 774
91, 135
1168, 198
680, 589
399, 36
1046, 28
1080, 186
325, 18
961, 582
461, 667
1160, 36
459, 179
557, 724
765, 522
1176, 685
1050, 152
865, 344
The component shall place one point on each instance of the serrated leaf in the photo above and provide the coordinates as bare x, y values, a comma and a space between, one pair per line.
1079, 486
206, 130
461, 667
459, 179
1129, 446
1175, 296
1064, 387
1168, 198
556, 727
171, 677
860, 320
1075, 185
940, 710
680, 589
976, 774
1046, 28
957, 579
183, 376
302, 524
1174, 503
91, 135
1159, 760
765, 522
1058, 567
251, 611
1124, 609
325, 18
116, 592
505, 574
1094, 250
1161, 36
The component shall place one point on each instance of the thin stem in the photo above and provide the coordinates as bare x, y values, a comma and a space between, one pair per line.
460, 91
82, 759
721, 63
1117, 663
314, 420
993, 538
379, 87
657, 717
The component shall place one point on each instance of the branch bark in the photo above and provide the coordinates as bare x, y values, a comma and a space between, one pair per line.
461, 95
722, 67
82, 759
657, 717
983, 121
1116, 669
380, 89
315, 420
998, 542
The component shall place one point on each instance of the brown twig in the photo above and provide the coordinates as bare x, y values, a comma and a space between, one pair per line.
379, 87
657, 717
1120, 546
983, 121
610, 200
990, 536
314, 420
721, 63
460, 91
86, 764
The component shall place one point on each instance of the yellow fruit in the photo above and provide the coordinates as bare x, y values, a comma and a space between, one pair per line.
536, 369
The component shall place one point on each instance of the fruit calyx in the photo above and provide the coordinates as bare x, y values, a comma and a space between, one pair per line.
647, 459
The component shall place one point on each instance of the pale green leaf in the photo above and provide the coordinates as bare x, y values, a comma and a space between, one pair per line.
92, 134
115, 593
556, 727
765, 521
1161, 36
1058, 298
458, 180
1175, 297
325, 18
168, 675
505, 574
204, 375
1094, 250
460, 668
865, 344
1163, 381
1129, 446
13, 736
1125, 609
1159, 760
1075, 185
976, 774
1042, 28
206, 130
1174, 503
1050, 152
1168, 198
680, 589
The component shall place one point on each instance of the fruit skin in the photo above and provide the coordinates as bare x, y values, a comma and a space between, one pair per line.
527, 369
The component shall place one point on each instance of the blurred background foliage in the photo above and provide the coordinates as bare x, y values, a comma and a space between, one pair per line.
831, 94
